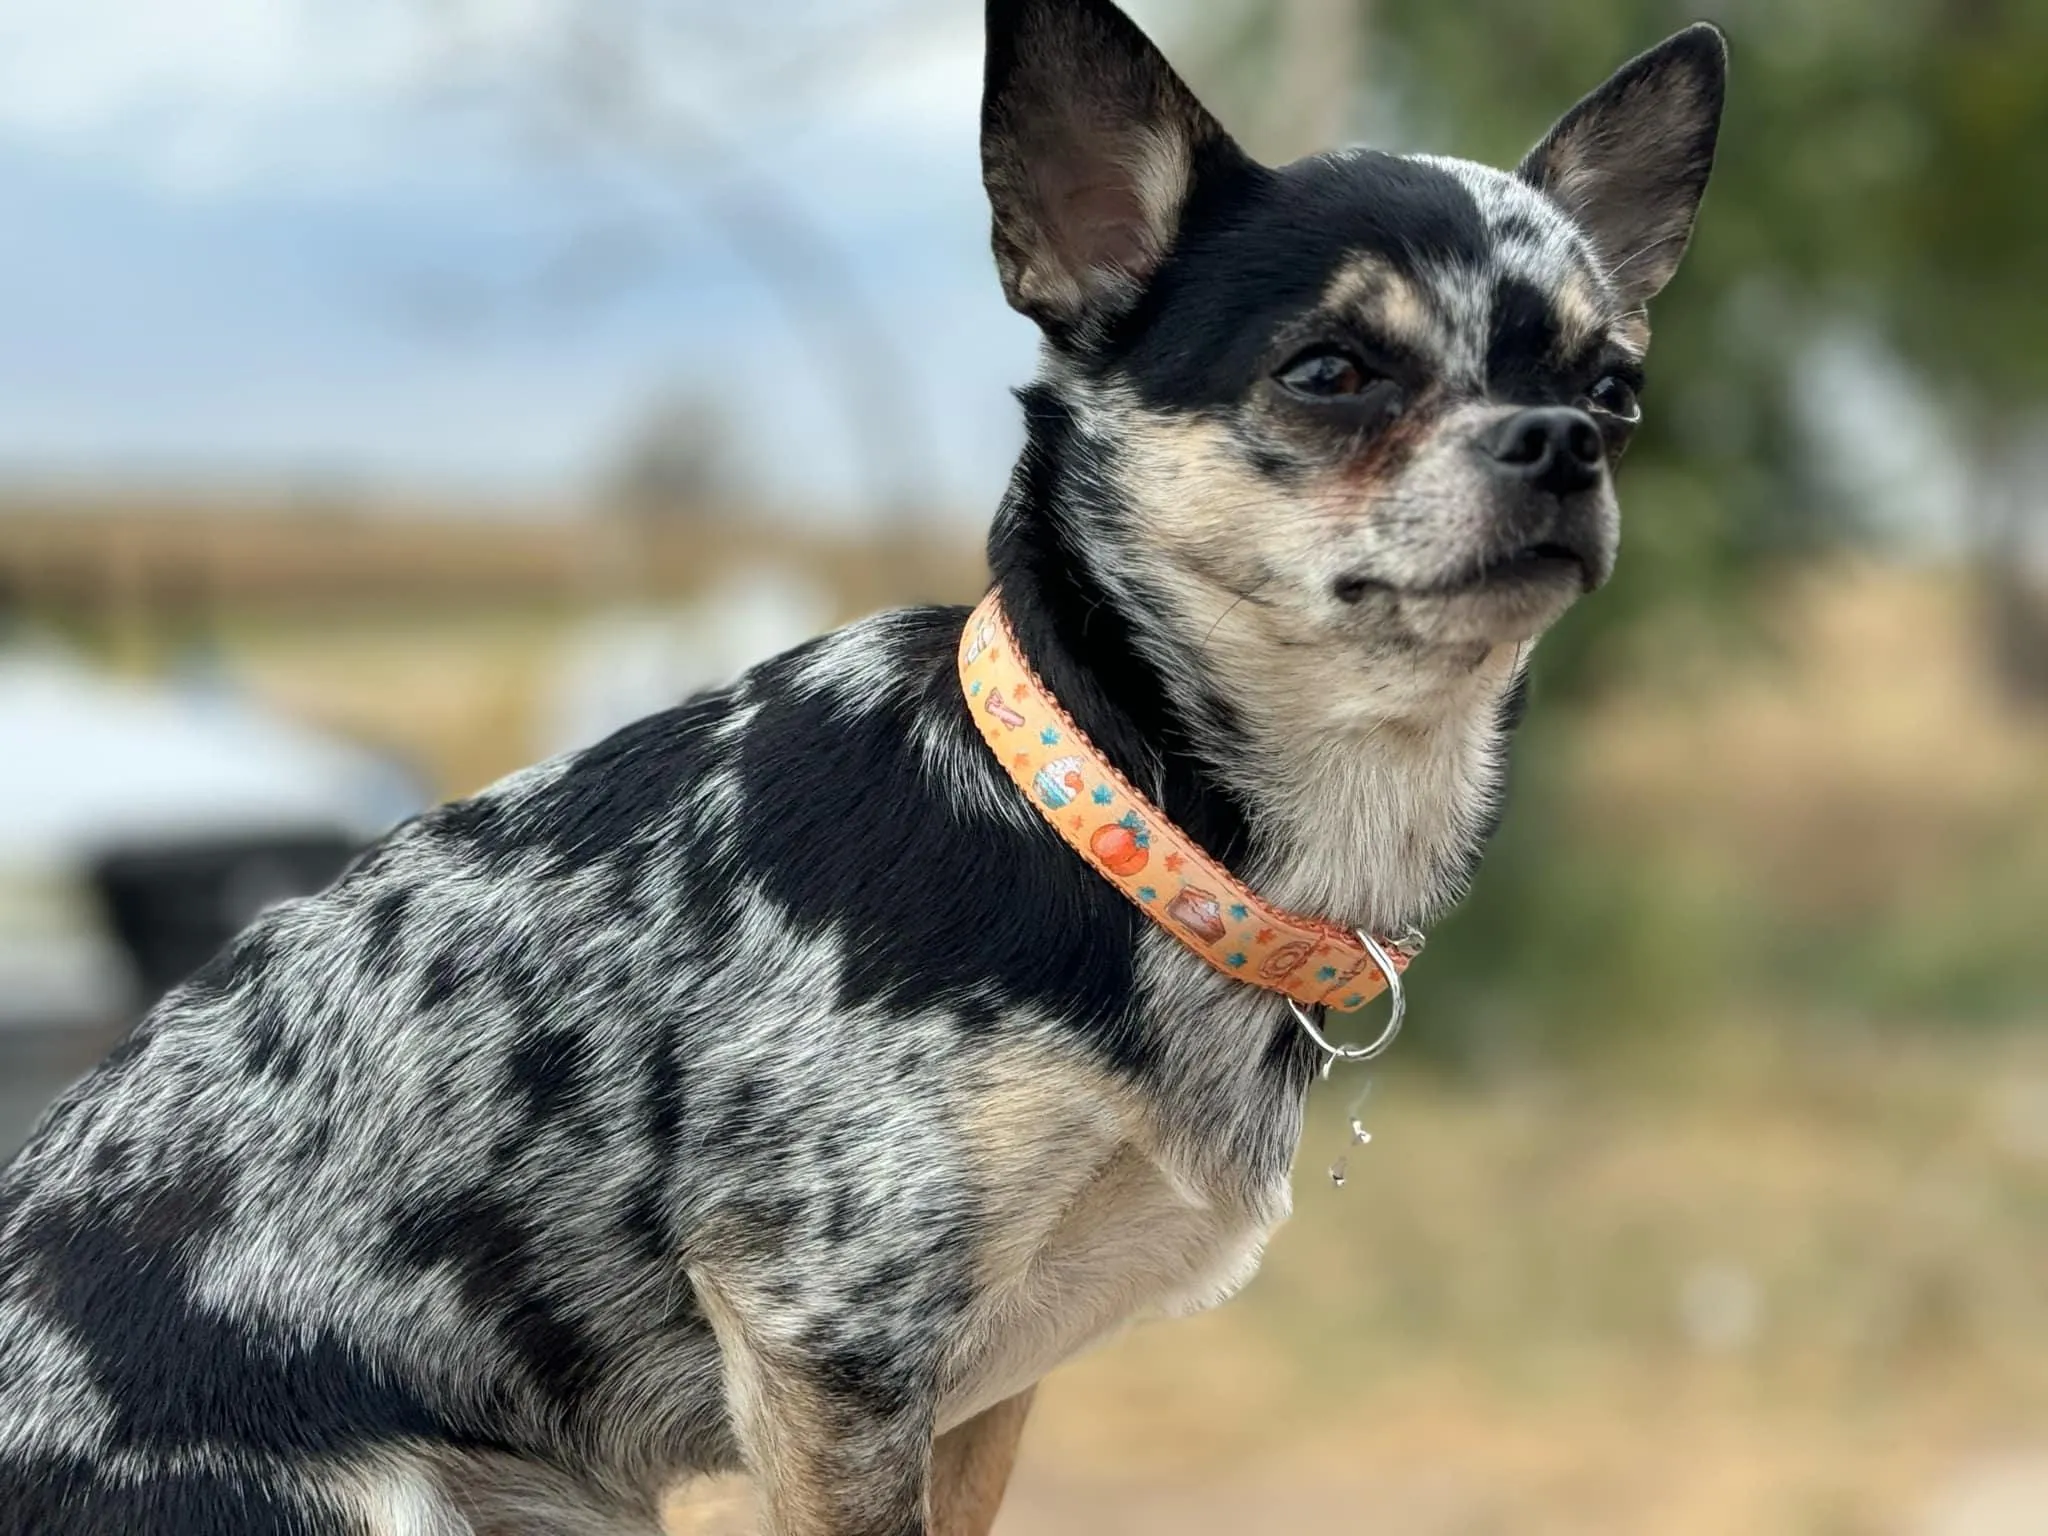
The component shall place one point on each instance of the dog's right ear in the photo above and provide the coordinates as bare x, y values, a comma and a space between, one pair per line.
1630, 162
1090, 147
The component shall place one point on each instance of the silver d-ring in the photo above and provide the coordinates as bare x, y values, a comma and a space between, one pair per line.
1309, 1019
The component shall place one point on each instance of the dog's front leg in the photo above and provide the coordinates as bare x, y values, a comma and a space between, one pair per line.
971, 1467
828, 1456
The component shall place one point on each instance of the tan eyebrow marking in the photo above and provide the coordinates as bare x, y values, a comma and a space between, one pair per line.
1375, 290
1581, 316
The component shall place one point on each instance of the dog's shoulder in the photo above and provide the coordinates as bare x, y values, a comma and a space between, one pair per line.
869, 807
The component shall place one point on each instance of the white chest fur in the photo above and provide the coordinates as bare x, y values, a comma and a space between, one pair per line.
1095, 1232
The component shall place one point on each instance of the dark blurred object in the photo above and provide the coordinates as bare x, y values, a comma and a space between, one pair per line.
40, 1064
174, 907
678, 465
2016, 596
142, 824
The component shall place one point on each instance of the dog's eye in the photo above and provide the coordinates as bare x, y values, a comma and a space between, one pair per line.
1617, 398
1327, 374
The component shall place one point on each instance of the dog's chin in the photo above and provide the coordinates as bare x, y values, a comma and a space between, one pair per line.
1479, 601
1505, 605
1484, 617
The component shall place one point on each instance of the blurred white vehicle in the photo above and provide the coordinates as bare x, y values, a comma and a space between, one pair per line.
142, 826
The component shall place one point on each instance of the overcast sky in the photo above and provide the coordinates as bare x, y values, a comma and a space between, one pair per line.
288, 239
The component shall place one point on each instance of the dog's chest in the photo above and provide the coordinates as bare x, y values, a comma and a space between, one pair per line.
1090, 1232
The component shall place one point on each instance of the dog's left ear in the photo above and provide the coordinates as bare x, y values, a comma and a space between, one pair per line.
1631, 161
1090, 148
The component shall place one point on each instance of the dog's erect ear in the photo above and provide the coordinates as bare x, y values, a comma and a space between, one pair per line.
1630, 162
1090, 146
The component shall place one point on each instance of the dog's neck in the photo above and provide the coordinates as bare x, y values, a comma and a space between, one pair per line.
1373, 780
1352, 788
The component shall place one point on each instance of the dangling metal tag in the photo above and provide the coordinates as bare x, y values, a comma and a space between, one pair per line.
1311, 1021
1360, 1136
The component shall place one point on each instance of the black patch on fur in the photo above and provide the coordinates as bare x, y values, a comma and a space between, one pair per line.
937, 904
624, 900
236, 966
738, 1120
112, 1157
313, 1143
867, 1378
133, 1047
447, 977
524, 986
622, 789
270, 1045
645, 1223
377, 857
63, 1496
495, 1256
873, 1378
483, 823
601, 801
176, 1374
887, 1281
384, 937
547, 1070
664, 1086
843, 1215
1514, 227
767, 1221
1522, 355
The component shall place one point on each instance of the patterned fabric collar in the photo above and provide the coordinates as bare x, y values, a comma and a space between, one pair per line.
1133, 846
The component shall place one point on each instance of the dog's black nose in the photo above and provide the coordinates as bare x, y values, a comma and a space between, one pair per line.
1552, 447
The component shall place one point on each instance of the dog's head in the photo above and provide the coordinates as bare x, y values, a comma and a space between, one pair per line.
1363, 402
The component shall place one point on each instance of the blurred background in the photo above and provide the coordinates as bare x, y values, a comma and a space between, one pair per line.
394, 392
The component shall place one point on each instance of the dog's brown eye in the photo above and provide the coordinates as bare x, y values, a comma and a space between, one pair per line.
1617, 398
1327, 375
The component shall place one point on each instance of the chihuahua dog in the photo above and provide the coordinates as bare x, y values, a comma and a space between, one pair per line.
769, 1087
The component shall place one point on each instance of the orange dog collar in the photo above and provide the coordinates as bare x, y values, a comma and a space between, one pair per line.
1132, 844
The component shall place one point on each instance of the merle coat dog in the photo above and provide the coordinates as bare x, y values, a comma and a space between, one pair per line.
768, 1087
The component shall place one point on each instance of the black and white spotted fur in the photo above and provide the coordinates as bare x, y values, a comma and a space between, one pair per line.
767, 1086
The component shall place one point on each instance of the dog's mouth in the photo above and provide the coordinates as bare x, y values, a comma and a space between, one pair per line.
1545, 563
1548, 560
